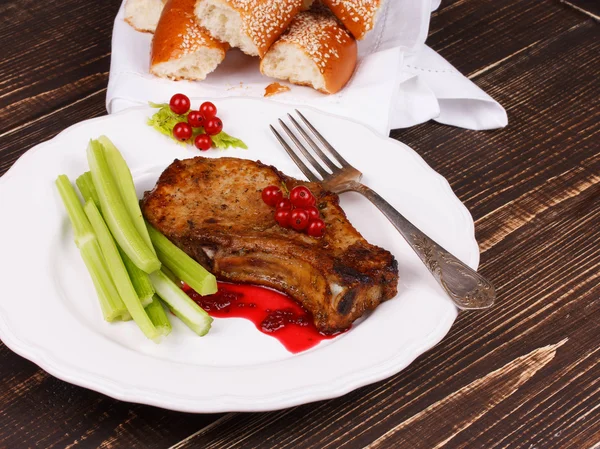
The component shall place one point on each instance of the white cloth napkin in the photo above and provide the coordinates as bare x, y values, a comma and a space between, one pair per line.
431, 88
399, 82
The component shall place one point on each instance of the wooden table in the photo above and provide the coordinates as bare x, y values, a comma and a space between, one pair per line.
525, 374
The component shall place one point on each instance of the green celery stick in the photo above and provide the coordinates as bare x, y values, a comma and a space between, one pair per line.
86, 240
115, 213
180, 304
157, 314
182, 265
87, 188
122, 176
119, 272
170, 275
139, 279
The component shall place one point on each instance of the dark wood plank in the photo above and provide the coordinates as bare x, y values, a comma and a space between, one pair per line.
540, 88
476, 35
588, 7
533, 189
51, 56
49, 413
546, 165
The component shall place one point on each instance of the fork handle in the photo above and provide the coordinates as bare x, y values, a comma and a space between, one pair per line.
467, 289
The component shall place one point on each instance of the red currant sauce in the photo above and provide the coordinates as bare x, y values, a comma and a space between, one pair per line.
272, 313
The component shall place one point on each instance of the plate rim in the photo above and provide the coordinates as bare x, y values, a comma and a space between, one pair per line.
46, 359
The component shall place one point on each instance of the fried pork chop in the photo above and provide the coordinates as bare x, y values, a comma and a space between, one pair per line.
213, 210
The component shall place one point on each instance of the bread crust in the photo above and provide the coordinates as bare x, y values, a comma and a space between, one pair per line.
265, 20
178, 34
356, 15
129, 21
326, 42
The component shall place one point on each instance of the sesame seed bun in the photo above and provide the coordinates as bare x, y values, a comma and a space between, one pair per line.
356, 15
250, 25
182, 49
315, 51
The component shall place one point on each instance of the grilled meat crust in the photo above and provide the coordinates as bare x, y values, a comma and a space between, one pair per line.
213, 210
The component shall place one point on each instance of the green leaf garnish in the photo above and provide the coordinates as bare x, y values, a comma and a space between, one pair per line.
224, 141
164, 120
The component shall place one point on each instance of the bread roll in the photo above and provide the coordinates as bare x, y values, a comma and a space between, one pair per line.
315, 51
250, 25
182, 49
356, 15
143, 15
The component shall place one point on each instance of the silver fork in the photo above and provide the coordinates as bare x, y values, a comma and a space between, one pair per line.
467, 289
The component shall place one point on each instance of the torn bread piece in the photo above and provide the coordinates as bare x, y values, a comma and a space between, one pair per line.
315, 51
182, 49
143, 15
358, 16
250, 25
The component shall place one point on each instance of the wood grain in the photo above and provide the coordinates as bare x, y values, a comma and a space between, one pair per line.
46, 64
474, 35
469, 403
590, 8
525, 374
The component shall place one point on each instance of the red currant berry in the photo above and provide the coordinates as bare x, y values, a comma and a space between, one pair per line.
272, 195
182, 131
195, 119
179, 104
203, 142
300, 196
282, 217
213, 126
299, 219
284, 204
208, 110
316, 228
313, 213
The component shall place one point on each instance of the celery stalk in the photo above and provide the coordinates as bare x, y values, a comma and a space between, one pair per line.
119, 272
182, 265
157, 314
115, 212
110, 302
124, 180
139, 279
180, 304
170, 274
87, 188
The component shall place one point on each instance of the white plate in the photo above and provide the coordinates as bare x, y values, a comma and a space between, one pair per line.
49, 312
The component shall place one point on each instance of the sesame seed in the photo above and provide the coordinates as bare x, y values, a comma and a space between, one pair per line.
356, 10
263, 19
313, 30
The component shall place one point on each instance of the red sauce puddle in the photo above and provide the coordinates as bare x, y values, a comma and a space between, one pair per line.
272, 313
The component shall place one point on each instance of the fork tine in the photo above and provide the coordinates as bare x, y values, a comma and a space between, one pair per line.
309, 174
327, 145
303, 150
326, 159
